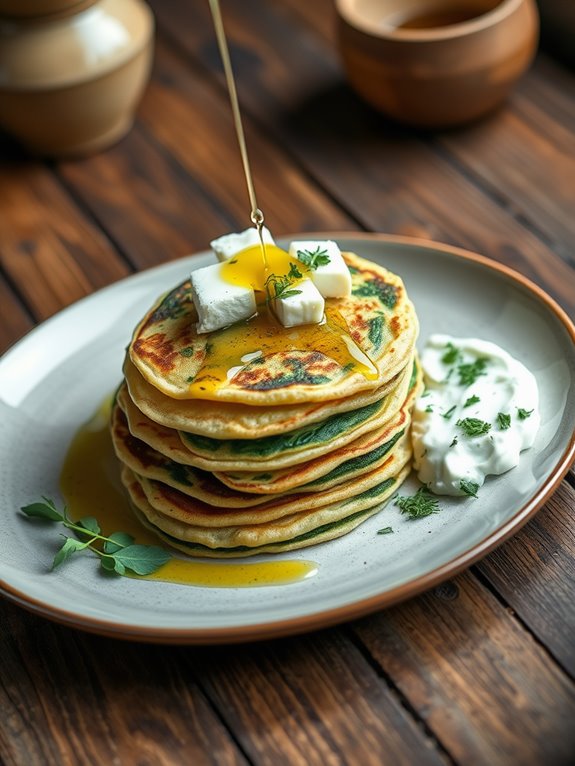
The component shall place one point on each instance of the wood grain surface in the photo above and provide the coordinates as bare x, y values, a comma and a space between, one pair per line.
480, 670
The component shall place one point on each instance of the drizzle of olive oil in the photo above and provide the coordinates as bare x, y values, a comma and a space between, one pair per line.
90, 484
256, 215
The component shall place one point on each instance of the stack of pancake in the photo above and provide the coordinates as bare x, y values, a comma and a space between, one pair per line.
230, 449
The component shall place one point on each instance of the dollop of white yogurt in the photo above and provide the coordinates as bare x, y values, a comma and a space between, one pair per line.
479, 410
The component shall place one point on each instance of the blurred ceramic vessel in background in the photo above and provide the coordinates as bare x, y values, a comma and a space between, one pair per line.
21, 9
436, 63
70, 80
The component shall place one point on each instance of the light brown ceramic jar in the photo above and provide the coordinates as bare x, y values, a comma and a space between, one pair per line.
436, 63
69, 84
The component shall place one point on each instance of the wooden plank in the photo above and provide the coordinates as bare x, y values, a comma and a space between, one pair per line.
313, 701
185, 143
515, 152
47, 247
387, 178
535, 574
68, 698
488, 692
146, 201
184, 112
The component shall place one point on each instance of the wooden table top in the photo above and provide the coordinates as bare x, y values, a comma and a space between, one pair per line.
477, 671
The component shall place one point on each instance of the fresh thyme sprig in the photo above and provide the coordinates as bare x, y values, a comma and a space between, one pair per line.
281, 285
313, 259
117, 552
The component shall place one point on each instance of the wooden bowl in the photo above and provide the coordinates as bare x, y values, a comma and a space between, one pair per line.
436, 63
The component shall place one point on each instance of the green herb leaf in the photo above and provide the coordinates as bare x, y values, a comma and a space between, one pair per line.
429, 408
503, 421
120, 569
523, 414
449, 412
454, 442
294, 273
314, 259
468, 373
116, 541
472, 400
281, 285
90, 524
469, 487
419, 505
385, 531
142, 559
46, 510
473, 426
70, 546
108, 563
452, 354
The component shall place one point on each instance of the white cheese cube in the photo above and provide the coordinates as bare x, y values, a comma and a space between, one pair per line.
231, 244
304, 308
333, 279
217, 302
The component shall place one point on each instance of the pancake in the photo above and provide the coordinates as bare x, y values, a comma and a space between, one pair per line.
182, 507
366, 340
290, 532
146, 462
291, 447
222, 420
361, 455
271, 453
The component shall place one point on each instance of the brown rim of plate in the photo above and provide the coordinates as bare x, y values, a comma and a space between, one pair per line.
330, 617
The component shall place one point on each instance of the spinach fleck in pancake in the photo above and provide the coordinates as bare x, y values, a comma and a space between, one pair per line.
270, 453
363, 454
214, 504
366, 341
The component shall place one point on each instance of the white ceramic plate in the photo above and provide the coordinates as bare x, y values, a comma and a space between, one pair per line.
54, 379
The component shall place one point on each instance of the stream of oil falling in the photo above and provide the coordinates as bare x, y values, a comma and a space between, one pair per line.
256, 215
90, 484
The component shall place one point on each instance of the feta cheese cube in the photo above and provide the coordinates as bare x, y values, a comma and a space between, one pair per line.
217, 302
332, 279
231, 244
304, 308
